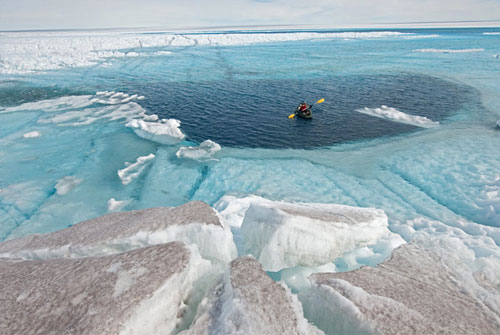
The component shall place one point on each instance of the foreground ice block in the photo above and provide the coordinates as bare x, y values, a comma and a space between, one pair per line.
249, 302
194, 223
144, 291
428, 287
283, 235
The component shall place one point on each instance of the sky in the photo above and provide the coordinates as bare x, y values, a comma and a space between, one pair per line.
90, 14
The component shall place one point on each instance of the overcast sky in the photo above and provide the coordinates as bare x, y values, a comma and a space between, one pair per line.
67, 14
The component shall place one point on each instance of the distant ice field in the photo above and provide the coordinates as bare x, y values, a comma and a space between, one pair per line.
92, 123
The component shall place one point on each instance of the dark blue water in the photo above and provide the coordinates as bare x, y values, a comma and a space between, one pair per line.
253, 113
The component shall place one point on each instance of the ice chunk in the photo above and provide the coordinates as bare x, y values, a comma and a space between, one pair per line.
194, 223
32, 134
434, 285
283, 235
204, 152
249, 302
132, 171
164, 132
116, 205
393, 114
498, 123
145, 291
66, 184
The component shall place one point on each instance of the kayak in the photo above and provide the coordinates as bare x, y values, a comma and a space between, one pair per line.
306, 114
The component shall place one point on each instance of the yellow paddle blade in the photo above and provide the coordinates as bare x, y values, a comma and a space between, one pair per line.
291, 116
320, 101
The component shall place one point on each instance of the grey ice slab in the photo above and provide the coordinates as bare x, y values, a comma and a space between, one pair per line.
412, 293
94, 295
249, 302
108, 228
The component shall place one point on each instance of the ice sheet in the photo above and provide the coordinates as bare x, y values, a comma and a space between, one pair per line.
56, 51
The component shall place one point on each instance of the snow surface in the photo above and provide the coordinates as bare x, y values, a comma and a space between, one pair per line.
202, 153
42, 51
395, 115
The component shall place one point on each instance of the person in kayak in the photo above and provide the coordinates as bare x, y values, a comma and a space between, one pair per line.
303, 106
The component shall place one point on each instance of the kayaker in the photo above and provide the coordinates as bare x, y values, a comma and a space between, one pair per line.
303, 106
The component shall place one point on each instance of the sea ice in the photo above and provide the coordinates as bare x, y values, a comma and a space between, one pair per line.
247, 301
204, 152
144, 291
393, 114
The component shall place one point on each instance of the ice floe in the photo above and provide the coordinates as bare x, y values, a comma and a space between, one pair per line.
204, 152
32, 134
133, 170
285, 235
449, 51
247, 301
395, 115
66, 184
146, 291
163, 132
437, 284
116, 205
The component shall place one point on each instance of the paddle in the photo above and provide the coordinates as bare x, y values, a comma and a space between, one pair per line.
291, 116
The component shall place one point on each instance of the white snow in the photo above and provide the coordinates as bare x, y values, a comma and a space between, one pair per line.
395, 115
450, 51
204, 152
32, 134
42, 51
132, 171
164, 132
